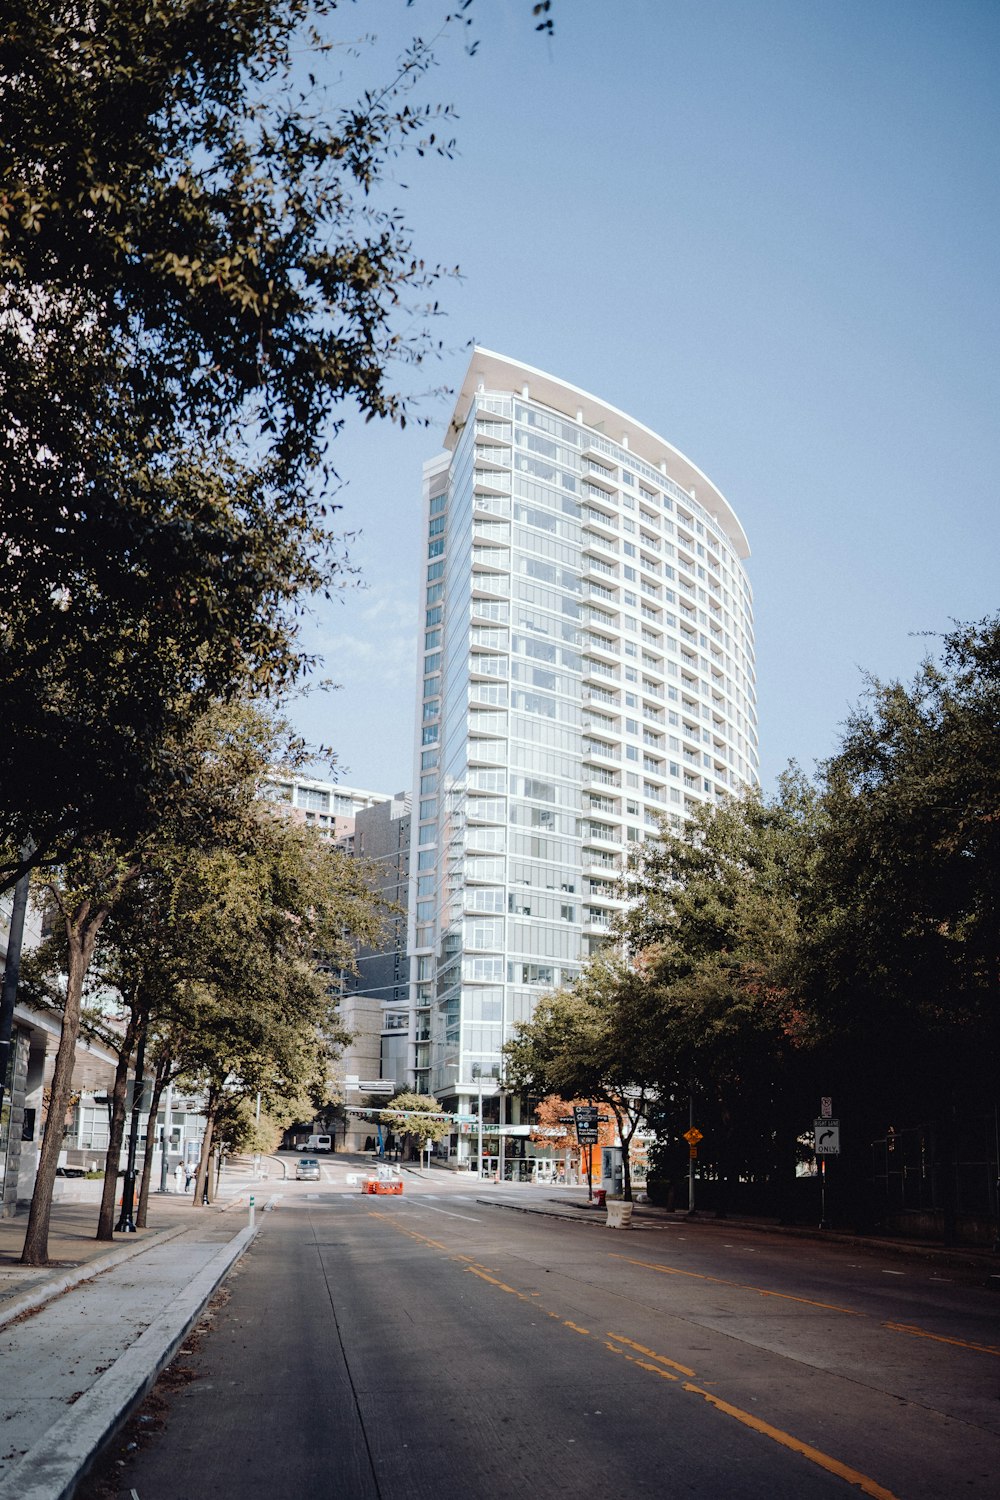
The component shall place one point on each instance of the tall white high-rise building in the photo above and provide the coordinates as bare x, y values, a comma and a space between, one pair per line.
588, 666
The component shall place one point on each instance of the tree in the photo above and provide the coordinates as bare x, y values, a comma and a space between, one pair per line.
196, 269
904, 966
276, 918
224, 883
81, 901
715, 922
592, 1041
553, 1132
140, 960
416, 1117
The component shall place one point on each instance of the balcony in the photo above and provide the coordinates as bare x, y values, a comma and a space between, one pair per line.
491, 481
596, 565
495, 584
597, 776
594, 668
492, 506
600, 859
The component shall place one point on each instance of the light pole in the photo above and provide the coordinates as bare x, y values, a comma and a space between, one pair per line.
165, 1131
12, 971
126, 1222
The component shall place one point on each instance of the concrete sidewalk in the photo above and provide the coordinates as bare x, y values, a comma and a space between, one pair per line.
76, 1365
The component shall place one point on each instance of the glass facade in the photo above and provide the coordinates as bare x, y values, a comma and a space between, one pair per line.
588, 666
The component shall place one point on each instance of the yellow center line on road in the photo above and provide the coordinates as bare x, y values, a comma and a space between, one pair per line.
435, 1244
743, 1286
616, 1343
814, 1455
940, 1338
641, 1349
643, 1364
852, 1312
500, 1285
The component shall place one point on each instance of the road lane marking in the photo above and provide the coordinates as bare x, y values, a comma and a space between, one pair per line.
823, 1460
757, 1424
909, 1328
743, 1286
501, 1286
814, 1455
642, 1363
940, 1338
449, 1212
662, 1358
424, 1240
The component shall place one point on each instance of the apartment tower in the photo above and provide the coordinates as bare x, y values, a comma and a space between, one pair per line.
588, 667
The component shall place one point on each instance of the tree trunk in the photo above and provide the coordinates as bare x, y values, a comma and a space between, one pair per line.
112, 1162
82, 933
627, 1162
626, 1141
159, 1084
203, 1178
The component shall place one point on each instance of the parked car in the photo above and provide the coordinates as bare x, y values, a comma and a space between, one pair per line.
307, 1170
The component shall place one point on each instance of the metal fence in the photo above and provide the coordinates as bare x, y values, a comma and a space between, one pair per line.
924, 1170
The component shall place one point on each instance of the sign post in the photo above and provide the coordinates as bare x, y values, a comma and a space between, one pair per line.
826, 1142
692, 1135
585, 1122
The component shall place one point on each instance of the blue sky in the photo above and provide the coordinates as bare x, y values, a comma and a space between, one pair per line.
767, 230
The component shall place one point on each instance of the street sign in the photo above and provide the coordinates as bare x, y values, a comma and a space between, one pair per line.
827, 1137
585, 1117
693, 1136
693, 1152
826, 1106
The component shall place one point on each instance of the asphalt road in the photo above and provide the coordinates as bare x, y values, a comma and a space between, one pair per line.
431, 1347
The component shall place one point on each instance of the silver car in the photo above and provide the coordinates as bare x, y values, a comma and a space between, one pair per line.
307, 1170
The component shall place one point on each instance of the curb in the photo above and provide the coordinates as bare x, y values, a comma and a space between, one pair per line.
588, 1217
963, 1257
52, 1469
31, 1301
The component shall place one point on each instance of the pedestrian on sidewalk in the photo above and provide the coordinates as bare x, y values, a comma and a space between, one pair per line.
180, 1178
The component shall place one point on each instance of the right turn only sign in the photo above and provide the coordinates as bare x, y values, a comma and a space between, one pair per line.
827, 1137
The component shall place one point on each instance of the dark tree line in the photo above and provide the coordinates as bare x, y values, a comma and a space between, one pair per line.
838, 939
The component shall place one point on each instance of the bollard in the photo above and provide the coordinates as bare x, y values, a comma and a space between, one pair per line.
251, 1210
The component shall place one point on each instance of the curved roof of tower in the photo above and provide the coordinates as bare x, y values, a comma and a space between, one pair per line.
499, 372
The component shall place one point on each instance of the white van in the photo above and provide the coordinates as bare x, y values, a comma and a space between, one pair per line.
317, 1143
